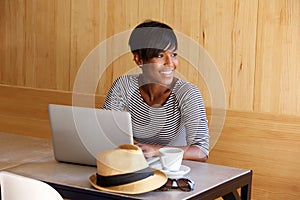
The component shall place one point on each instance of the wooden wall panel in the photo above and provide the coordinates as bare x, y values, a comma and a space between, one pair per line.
266, 143
62, 45
126, 19
277, 57
24, 110
85, 34
12, 45
35, 43
254, 44
183, 23
269, 145
229, 32
41, 28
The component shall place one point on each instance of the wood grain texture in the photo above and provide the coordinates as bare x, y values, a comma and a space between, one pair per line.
277, 58
266, 143
12, 45
35, 43
25, 110
254, 45
269, 145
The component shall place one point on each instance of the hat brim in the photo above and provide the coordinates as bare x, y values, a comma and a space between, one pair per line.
145, 185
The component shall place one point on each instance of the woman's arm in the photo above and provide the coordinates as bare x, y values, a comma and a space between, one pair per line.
195, 123
192, 152
116, 97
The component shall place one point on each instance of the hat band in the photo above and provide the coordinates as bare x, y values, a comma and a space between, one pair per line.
106, 181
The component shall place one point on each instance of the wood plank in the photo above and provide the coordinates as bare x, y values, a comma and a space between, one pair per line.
25, 110
44, 43
12, 45
266, 143
278, 61
40, 55
62, 45
85, 36
243, 50
150, 10
269, 145
231, 27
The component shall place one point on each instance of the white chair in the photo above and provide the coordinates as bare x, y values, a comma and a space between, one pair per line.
15, 187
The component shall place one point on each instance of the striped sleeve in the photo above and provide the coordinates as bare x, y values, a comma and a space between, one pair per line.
194, 116
116, 99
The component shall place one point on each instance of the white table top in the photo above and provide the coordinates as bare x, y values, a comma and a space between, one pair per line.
33, 157
205, 176
18, 149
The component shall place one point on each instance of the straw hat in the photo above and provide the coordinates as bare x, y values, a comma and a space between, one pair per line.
125, 170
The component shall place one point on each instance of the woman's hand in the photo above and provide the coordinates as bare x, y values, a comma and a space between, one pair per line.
149, 150
194, 153
190, 152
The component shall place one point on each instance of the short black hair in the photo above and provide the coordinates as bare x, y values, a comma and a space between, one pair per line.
150, 38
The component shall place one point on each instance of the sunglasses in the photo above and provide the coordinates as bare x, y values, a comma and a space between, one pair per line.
183, 184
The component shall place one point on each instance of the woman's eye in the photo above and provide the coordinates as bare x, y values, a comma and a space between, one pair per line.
174, 54
160, 55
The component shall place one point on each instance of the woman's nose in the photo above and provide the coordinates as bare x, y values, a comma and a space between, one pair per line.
168, 60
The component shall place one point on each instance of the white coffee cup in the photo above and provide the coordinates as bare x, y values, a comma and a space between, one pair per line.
171, 158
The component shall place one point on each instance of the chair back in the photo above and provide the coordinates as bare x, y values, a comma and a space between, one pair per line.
14, 187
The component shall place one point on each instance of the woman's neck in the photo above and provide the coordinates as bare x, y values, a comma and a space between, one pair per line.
155, 94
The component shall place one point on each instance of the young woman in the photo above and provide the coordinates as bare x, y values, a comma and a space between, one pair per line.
165, 110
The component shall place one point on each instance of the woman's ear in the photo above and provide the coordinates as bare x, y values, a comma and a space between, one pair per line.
137, 59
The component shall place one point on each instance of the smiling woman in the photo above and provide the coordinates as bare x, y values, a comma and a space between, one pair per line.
159, 69
157, 57
157, 77
165, 110
43, 44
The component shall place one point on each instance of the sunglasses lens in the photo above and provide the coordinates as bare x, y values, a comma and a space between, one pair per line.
185, 184
167, 185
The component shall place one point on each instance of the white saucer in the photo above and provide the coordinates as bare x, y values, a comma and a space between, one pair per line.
180, 173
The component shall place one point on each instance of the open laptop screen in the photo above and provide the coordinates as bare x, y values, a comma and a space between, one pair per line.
79, 133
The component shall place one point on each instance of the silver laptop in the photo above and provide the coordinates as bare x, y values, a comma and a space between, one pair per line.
79, 133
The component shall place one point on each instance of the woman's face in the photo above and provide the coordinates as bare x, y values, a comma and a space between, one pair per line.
161, 69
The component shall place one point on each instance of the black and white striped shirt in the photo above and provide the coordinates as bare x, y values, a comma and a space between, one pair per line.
180, 121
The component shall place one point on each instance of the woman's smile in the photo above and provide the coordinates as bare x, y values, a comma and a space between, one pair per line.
167, 72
